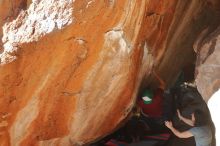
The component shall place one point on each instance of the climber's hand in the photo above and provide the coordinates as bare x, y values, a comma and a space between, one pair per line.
169, 124
179, 115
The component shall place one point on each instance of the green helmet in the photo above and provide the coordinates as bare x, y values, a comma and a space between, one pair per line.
147, 96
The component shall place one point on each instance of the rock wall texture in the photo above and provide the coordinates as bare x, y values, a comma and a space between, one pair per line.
208, 50
208, 64
70, 69
9, 10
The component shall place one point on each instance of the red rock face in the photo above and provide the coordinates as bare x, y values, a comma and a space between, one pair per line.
70, 70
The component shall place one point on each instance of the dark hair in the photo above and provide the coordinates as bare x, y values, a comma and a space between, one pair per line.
186, 97
201, 118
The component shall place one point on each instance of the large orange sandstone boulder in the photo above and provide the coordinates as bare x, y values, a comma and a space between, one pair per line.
70, 70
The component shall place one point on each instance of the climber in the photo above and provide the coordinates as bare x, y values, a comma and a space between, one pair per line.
150, 102
191, 106
200, 129
153, 109
147, 120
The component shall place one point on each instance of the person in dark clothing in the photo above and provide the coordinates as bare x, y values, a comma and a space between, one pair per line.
200, 129
194, 113
155, 107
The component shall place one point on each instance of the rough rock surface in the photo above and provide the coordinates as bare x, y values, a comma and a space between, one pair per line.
207, 48
208, 64
70, 69
41, 18
9, 10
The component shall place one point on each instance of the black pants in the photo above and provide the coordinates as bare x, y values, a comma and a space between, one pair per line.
156, 125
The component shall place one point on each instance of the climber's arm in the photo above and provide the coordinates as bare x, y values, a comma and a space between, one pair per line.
185, 134
161, 81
